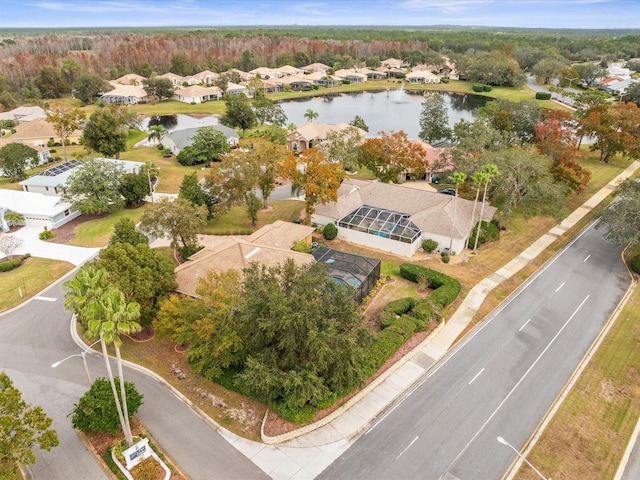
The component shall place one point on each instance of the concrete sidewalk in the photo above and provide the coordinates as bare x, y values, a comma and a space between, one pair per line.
304, 454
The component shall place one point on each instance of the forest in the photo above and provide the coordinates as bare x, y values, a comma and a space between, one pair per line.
66, 54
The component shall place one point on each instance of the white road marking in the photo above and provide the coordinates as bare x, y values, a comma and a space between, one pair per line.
531, 367
46, 299
525, 324
477, 375
408, 446
561, 285
586, 258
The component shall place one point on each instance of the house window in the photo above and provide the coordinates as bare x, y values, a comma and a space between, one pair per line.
46, 188
66, 212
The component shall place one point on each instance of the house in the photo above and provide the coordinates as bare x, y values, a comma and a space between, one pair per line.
51, 181
392, 63
319, 78
391, 71
316, 68
269, 246
176, 140
397, 219
177, 80
197, 94
43, 152
23, 114
286, 70
242, 75
296, 82
125, 95
264, 72
39, 132
437, 161
235, 89
206, 77
422, 76
353, 76
37, 209
129, 79
310, 134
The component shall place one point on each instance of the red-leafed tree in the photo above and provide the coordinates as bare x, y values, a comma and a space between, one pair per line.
391, 154
616, 129
556, 138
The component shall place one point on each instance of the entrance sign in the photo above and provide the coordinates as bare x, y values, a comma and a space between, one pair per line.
136, 453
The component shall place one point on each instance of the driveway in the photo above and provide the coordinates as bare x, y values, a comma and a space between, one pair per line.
55, 251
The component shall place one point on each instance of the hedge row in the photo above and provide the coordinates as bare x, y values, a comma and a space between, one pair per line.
634, 263
7, 265
480, 87
445, 288
543, 96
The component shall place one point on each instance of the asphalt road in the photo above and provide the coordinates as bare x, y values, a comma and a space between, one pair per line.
36, 335
500, 381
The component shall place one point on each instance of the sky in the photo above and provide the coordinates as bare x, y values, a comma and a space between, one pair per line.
587, 14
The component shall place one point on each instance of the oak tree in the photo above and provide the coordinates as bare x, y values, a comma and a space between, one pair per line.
64, 120
95, 187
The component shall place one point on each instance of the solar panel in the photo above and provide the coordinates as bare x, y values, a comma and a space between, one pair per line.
58, 169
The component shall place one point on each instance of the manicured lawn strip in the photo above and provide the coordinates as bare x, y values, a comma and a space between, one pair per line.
96, 233
588, 435
35, 273
236, 221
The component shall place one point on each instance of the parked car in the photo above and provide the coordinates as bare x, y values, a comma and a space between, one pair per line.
448, 191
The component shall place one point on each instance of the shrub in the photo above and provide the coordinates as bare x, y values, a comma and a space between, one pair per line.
330, 231
147, 469
422, 311
444, 80
487, 88
298, 416
301, 246
7, 265
96, 411
429, 245
46, 235
543, 96
387, 318
446, 289
478, 87
634, 263
488, 233
445, 257
384, 345
404, 326
400, 306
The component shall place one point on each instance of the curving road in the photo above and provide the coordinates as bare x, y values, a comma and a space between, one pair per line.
500, 381
36, 334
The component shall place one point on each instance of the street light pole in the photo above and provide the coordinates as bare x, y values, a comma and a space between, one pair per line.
504, 442
84, 360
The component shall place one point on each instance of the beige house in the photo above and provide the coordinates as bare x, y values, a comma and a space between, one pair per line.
396, 219
316, 68
392, 63
43, 152
265, 72
23, 114
269, 246
38, 132
130, 79
177, 80
422, 76
206, 77
197, 94
352, 75
309, 135
320, 78
289, 70
125, 95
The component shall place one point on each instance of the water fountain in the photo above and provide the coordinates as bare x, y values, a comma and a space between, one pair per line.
398, 95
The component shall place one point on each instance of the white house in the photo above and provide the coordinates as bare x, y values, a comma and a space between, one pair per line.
354, 76
43, 152
51, 181
177, 80
235, 89
37, 209
125, 94
179, 139
206, 77
397, 219
422, 76
23, 114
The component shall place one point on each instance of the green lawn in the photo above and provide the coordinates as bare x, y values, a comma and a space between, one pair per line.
96, 233
33, 275
236, 221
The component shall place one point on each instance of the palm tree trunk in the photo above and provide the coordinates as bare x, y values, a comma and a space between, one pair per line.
484, 198
123, 394
114, 390
473, 213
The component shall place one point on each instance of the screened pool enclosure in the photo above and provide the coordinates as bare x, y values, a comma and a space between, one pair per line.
382, 223
360, 273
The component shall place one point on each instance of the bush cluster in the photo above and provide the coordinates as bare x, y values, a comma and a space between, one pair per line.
46, 235
543, 96
445, 288
330, 231
634, 263
478, 87
7, 265
429, 245
488, 233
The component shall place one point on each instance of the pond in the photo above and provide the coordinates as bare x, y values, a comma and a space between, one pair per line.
382, 111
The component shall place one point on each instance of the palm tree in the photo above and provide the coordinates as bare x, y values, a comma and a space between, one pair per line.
110, 316
88, 284
478, 181
457, 178
311, 115
489, 171
156, 132
14, 218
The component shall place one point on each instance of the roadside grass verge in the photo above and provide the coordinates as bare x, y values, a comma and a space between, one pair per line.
589, 433
96, 233
236, 221
35, 274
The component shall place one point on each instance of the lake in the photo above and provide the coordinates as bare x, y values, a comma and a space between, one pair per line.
382, 111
